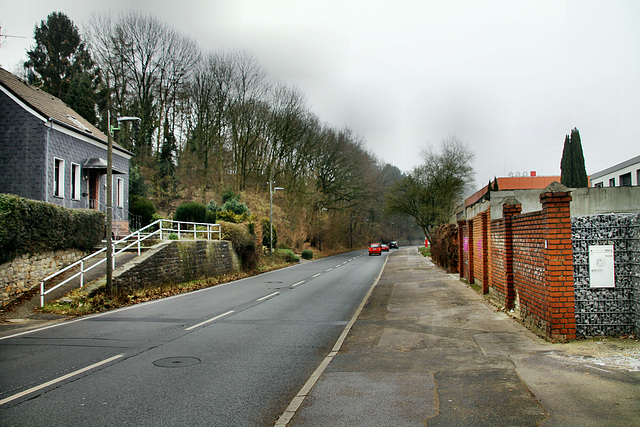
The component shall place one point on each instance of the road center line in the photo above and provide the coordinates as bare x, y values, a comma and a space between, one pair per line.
57, 380
210, 320
329, 269
299, 283
268, 296
316, 275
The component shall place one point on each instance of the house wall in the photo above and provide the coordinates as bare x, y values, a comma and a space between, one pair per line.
28, 147
22, 152
71, 150
631, 167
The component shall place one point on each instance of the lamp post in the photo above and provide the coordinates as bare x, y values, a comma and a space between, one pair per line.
110, 131
272, 191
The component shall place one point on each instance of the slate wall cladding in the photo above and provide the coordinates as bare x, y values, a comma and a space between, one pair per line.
607, 311
178, 262
21, 151
24, 157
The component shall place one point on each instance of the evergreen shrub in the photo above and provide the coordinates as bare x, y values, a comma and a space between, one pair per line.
191, 212
243, 243
288, 255
29, 226
143, 207
307, 254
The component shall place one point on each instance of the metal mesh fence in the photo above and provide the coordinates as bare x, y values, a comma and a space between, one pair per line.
607, 311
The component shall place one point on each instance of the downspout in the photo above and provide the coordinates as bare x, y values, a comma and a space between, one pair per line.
46, 161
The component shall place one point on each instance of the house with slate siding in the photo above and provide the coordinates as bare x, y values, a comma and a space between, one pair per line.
48, 152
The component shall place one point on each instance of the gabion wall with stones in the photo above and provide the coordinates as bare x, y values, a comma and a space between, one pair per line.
607, 311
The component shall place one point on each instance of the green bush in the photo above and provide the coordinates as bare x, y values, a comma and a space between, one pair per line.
211, 217
307, 254
191, 212
29, 226
229, 194
142, 207
288, 255
266, 231
231, 217
236, 207
243, 243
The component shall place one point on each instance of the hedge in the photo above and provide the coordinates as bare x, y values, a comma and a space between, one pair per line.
29, 226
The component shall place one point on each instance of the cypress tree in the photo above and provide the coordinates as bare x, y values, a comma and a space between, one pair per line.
495, 184
566, 169
580, 179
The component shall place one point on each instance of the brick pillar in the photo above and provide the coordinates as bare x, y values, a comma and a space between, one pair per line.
461, 230
485, 250
558, 262
471, 249
510, 208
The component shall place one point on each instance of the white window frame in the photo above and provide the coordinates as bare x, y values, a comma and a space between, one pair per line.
58, 177
76, 181
120, 192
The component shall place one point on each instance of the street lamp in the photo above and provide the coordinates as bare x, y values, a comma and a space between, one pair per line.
110, 131
272, 191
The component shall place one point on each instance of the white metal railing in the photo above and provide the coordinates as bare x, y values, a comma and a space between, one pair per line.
162, 228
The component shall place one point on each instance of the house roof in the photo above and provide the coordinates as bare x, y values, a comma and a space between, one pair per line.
50, 107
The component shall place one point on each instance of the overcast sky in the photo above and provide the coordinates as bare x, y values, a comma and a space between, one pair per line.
511, 78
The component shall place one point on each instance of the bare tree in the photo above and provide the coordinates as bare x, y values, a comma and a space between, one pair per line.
431, 192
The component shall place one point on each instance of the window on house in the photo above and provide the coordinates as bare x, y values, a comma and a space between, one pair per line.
599, 184
120, 192
625, 180
75, 181
58, 177
638, 177
612, 182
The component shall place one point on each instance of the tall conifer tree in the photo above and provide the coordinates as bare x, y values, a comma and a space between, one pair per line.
566, 164
580, 179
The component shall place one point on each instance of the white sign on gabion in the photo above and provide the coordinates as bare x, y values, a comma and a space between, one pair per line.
601, 272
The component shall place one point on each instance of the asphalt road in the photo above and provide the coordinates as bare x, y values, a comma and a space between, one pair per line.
234, 354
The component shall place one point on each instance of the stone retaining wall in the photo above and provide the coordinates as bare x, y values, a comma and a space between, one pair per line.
27, 271
177, 262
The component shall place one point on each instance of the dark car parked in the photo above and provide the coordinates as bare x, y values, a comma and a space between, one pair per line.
393, 244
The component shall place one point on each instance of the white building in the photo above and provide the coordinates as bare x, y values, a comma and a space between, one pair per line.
625, 174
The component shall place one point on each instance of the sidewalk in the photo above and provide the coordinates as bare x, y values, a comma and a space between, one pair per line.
428, 350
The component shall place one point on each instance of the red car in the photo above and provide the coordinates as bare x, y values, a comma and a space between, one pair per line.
384, 247
375, 249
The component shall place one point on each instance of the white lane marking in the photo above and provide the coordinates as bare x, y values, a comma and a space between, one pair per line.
297, 401
316, 275
268, 296
210, 320
57, 380
299, 283
329, 269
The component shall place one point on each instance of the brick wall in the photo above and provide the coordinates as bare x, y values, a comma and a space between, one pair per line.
525, 261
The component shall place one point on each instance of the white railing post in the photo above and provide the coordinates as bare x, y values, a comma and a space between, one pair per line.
82, 273
195, 232
160, 229
138, 237
42, 294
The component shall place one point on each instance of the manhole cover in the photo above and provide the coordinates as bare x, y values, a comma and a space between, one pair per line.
177, 362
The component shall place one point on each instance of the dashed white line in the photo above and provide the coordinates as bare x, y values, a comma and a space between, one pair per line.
329, 269
316, 275
268, 296
210, 320
299, 283
57, 380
